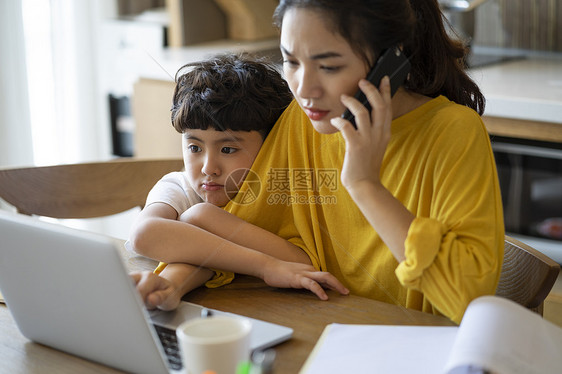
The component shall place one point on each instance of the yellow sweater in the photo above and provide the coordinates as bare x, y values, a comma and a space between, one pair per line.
439, 164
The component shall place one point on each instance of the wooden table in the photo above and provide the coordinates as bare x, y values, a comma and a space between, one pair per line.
247, 296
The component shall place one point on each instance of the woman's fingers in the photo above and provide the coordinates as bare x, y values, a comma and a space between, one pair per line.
380, 100
343, 126
359, 111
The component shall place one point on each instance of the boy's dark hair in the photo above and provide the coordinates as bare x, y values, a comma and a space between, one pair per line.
229, 92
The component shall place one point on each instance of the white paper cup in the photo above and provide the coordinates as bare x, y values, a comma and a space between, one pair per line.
217, 344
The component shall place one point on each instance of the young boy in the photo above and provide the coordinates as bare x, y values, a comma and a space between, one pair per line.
224, 108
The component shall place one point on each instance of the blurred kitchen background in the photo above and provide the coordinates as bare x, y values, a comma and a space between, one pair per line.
519, 24
68, 67
91, 80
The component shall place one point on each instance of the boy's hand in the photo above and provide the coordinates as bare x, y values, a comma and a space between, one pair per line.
284, 274
156, 291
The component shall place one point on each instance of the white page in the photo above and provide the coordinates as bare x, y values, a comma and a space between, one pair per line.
504, 337
381, 349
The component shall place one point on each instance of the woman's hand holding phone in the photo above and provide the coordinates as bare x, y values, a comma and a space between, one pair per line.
392, 63
365, 147
370, 113
364, 153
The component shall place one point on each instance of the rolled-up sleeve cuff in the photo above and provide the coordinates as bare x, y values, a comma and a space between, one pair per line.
421, 247
220, 278
160, 267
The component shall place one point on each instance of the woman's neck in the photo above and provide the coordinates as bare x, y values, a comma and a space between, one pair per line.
405, 101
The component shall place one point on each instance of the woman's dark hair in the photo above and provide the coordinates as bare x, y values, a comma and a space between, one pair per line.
229, 92
371, 26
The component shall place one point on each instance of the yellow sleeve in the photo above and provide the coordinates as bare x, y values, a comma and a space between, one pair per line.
161, 266
454, 253
220, 278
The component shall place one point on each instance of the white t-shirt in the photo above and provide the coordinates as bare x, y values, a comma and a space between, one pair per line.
173, 189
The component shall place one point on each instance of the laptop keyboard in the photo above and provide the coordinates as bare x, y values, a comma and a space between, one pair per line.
169, 342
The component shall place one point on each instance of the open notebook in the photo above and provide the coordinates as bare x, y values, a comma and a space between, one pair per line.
69, 289
496, 335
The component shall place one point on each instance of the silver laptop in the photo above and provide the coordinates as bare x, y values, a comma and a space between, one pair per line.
69, 289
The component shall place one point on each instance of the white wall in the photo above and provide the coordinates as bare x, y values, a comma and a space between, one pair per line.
15, 130
60, 114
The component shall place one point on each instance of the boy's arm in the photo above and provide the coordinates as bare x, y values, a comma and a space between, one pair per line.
228, 226
164, 291
173, 241
159, 235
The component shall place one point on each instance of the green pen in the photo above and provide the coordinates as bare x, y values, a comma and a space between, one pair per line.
244, 367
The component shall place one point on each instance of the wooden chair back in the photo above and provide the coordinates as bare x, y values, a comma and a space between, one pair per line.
527, 275
85, 190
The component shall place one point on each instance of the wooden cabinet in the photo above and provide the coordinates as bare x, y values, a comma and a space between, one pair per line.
197, 21
154, 135
524, 129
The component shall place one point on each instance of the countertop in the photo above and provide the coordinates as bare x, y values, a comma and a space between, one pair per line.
163, 64
529, 88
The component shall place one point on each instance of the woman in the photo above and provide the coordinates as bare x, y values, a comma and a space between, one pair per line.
418, 221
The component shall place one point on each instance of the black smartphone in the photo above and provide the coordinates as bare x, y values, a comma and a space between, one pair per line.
393, 63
